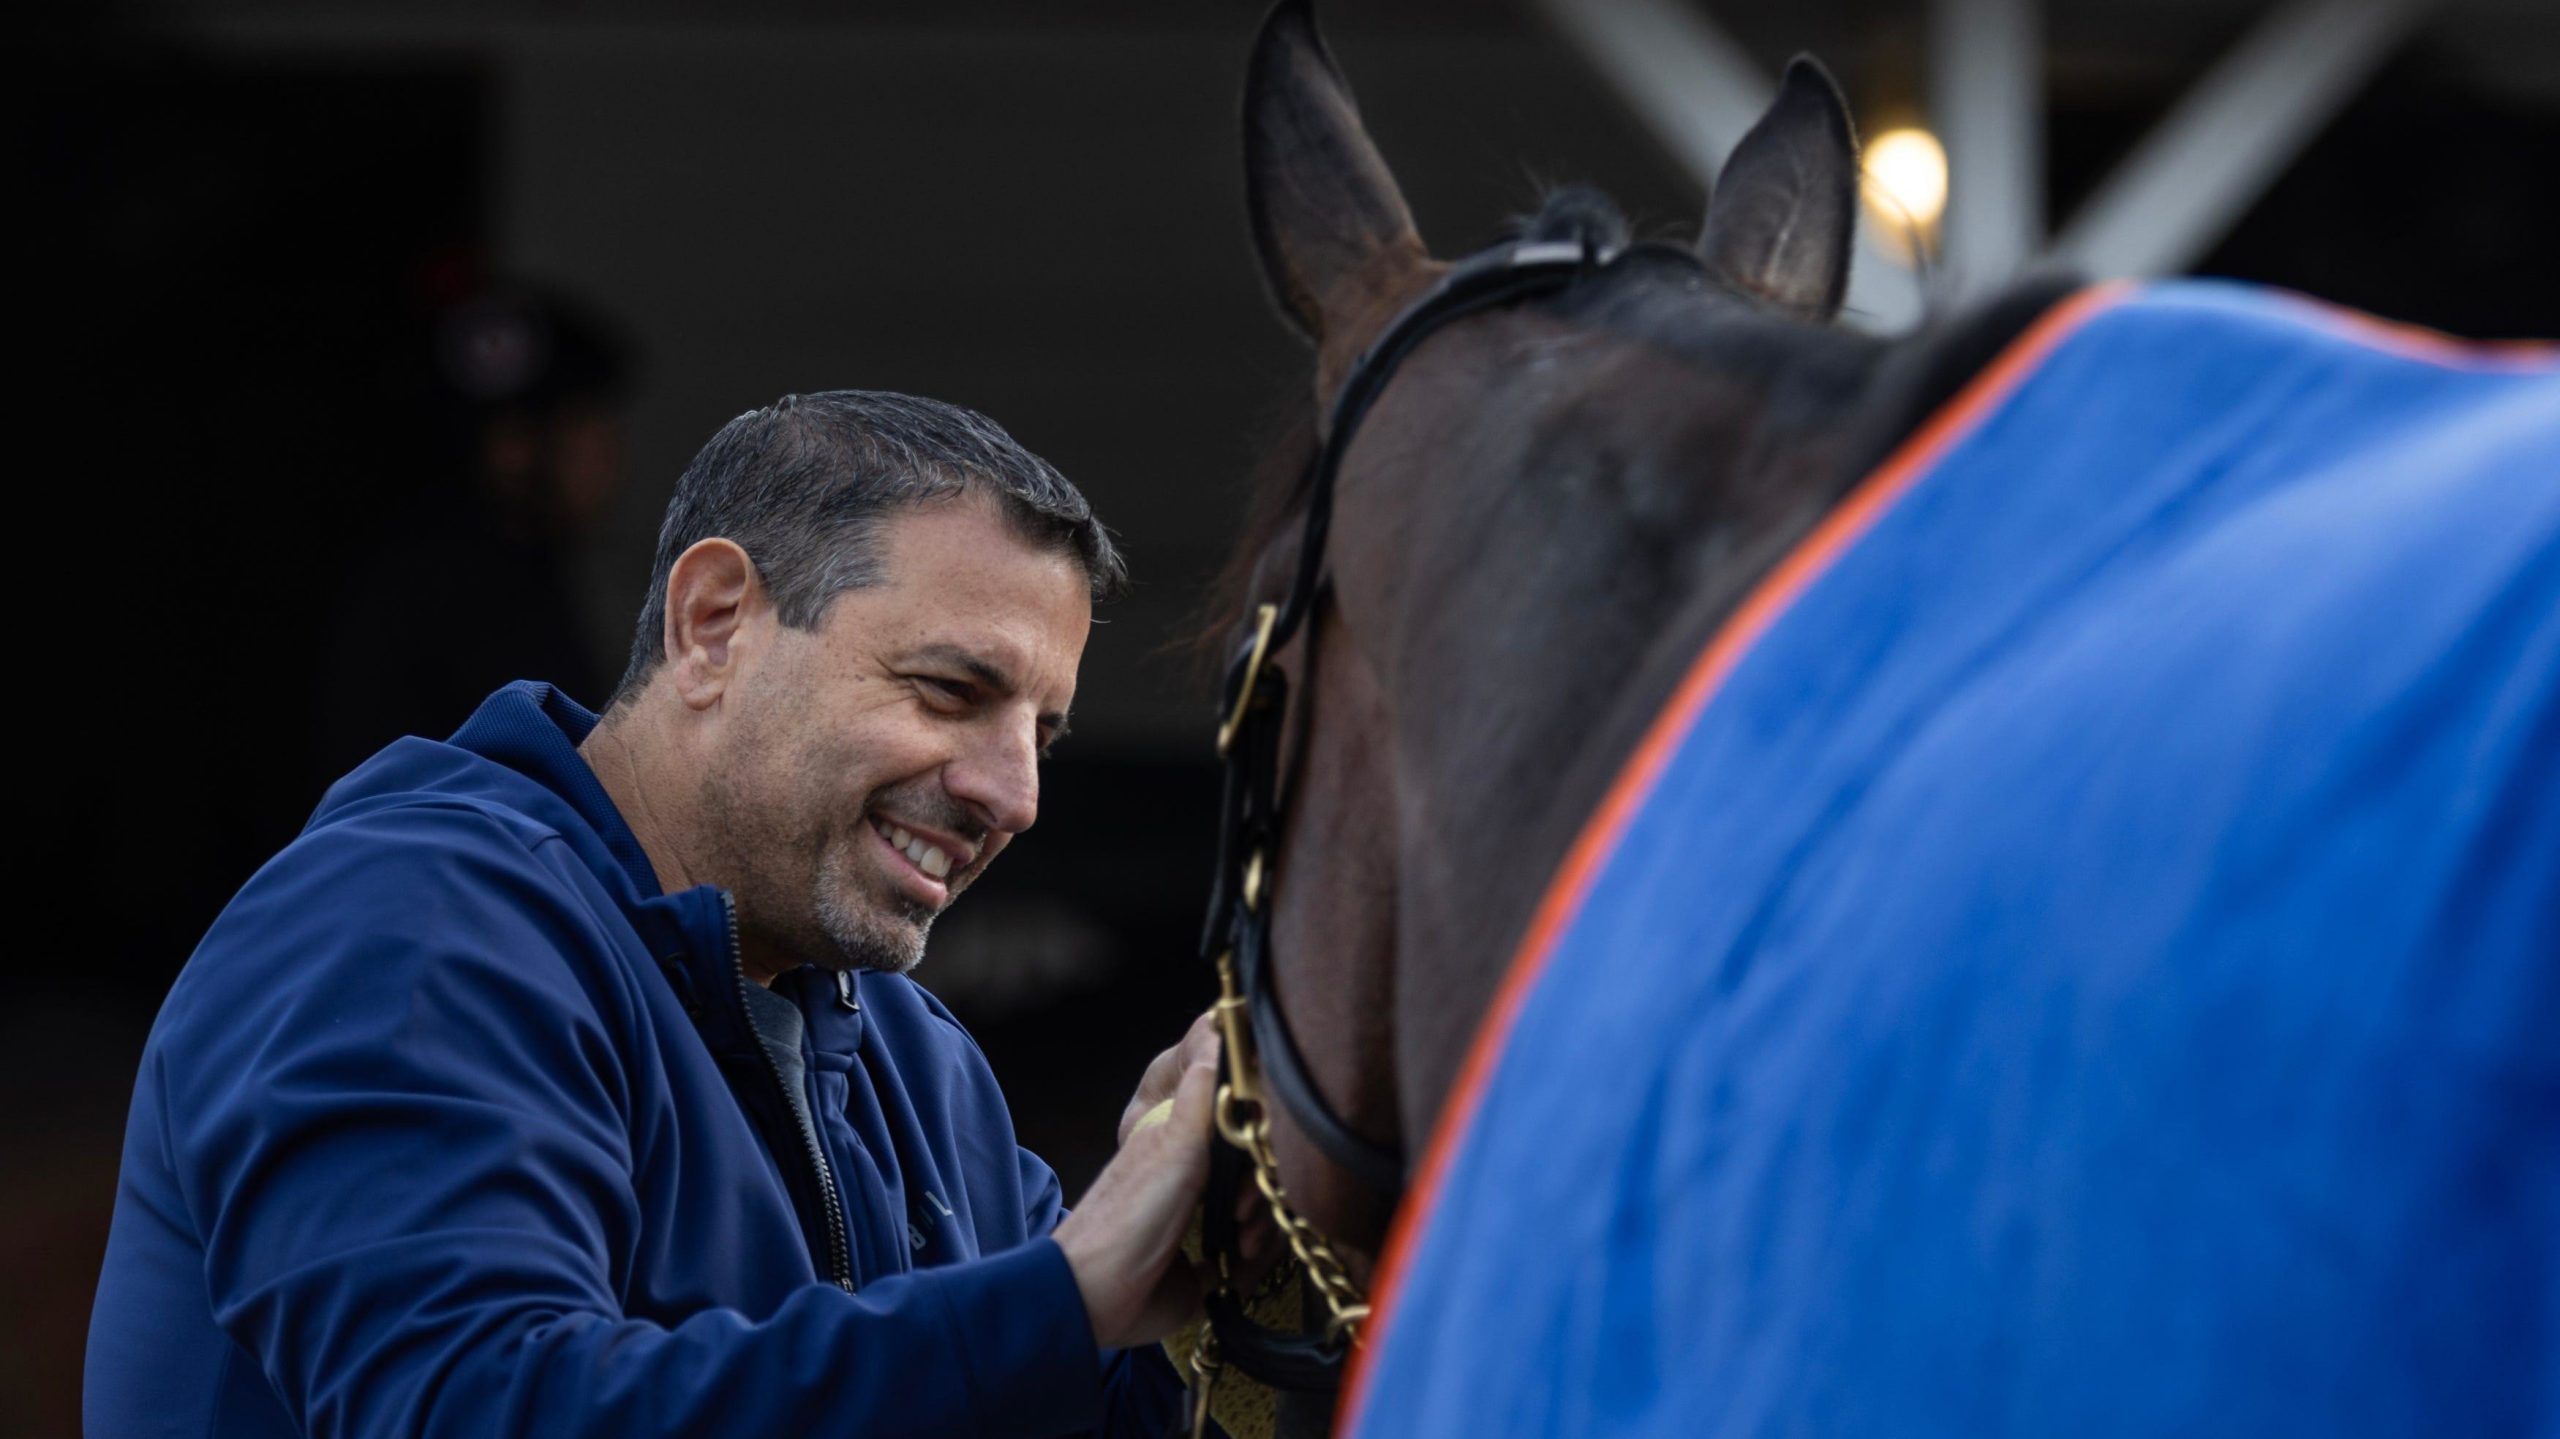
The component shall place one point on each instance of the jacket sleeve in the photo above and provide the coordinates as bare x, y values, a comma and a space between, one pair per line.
1142, 1392
398, 1112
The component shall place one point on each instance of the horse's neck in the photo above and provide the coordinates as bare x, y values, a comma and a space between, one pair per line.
1498, 785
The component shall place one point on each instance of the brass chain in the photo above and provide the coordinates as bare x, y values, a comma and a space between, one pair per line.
1242, 1122
1205, 1368
1244, 1126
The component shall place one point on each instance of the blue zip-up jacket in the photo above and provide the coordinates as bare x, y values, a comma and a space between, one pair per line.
454, 1124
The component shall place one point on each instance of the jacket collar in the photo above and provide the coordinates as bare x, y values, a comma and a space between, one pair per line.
535, 730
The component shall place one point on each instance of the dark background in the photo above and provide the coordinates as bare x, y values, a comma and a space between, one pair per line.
240, 220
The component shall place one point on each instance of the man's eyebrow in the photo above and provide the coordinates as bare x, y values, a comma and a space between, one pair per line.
976, 666
987, 672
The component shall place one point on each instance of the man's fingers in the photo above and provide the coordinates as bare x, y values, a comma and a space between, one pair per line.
1165, 1070
1187, 1128
1195, 1098
1123, 1243
1201, 1038
1154, 1087
1136, 1112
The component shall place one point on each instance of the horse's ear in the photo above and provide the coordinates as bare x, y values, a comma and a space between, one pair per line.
1786, 206
1324, 208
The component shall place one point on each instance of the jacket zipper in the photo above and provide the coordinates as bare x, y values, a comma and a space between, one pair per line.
839, 1244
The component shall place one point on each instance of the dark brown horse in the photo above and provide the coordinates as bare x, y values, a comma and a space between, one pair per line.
1547, 512
2086, 967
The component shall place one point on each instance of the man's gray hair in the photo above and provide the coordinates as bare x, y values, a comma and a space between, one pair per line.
803, 485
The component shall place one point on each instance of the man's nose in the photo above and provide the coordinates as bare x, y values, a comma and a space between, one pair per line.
999, 779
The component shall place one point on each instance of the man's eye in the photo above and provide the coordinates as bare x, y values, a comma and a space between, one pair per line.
949, 692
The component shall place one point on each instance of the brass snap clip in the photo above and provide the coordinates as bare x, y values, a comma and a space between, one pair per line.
1264, 619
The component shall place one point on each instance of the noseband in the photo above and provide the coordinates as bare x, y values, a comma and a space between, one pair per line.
1237, 937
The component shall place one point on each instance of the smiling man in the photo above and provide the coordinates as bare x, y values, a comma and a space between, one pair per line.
564, 1077
870, 765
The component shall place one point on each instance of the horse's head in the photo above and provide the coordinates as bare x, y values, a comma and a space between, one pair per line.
1535, 494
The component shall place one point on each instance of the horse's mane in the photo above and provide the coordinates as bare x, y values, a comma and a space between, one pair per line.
1276, 495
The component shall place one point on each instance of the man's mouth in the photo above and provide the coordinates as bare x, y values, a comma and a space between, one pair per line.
923, 854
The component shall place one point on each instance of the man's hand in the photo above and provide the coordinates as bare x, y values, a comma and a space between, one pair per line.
1165, 1071
1257, 1238
1124, 1240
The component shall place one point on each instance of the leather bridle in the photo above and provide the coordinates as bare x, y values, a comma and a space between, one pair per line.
1263, 1062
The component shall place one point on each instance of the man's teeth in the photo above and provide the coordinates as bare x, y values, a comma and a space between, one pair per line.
926, 857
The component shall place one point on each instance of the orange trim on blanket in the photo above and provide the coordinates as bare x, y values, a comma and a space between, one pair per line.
1600, 834
2417, 342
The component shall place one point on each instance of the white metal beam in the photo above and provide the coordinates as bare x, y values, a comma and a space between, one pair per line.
2199, 170
1986, 98
1699, 92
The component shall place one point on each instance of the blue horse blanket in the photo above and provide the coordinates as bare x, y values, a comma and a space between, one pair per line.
2089, 963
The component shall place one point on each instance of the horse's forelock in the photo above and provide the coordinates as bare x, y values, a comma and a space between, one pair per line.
1573, 213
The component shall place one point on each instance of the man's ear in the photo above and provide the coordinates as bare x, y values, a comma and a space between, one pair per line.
1324, 208
713, 593
1786, 207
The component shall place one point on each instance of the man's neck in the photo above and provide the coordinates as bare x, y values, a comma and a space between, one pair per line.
618, 750
622, 751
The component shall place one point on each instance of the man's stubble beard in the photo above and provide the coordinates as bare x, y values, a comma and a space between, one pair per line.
862, 934
863, 938
803, 888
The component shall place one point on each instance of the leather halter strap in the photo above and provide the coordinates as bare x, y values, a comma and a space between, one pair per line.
1255, 709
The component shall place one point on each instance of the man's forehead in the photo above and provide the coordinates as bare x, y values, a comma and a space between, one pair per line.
961, 585
1016, 653
940, 541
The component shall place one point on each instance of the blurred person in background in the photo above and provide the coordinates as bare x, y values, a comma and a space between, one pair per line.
470, 584
566, 1077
